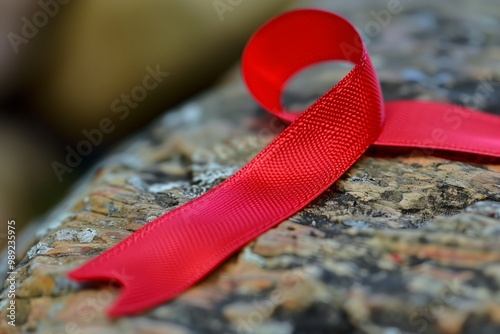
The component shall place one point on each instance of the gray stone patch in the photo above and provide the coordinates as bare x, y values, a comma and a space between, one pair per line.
86, 235
39, 249
65, 235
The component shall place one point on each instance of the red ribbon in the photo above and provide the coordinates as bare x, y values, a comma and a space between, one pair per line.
176, 250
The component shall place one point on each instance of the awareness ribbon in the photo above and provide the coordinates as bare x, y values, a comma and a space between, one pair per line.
178, 249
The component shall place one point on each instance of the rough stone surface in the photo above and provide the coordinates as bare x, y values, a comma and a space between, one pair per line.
405, 242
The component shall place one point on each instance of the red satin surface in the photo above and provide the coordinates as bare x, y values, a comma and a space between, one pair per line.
172, 253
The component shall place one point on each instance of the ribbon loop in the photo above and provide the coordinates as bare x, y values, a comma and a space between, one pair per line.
293, 41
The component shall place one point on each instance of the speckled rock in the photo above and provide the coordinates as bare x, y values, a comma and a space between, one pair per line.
405, 242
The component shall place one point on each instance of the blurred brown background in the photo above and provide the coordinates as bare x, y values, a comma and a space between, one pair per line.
68, 66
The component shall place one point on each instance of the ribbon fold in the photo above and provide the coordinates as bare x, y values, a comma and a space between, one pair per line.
178, 249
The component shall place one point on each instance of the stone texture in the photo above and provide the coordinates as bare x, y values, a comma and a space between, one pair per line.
405, 242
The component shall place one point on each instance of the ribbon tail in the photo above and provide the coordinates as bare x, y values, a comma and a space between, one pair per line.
164, 258
170, 254
132, 296
434, 125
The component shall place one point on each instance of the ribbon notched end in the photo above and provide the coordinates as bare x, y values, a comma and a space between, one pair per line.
119, 307
139, 291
